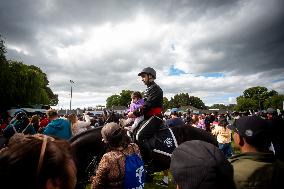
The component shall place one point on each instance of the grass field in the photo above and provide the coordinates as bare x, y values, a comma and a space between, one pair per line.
158, 177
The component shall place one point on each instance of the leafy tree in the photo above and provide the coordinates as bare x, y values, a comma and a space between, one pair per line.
258, 98
22, 85
113, 100
181, 99
245, 104
125, 97
276, 101
166, 103
196, 102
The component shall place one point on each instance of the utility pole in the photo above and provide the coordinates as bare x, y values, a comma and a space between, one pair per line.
71, 82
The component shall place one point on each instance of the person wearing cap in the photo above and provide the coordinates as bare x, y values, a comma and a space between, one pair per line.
256, 166
110, 172
152, 111
197, 164
58, 127
277, 125
175, 120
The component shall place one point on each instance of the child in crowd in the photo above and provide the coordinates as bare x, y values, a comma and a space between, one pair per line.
137, 102
223, 135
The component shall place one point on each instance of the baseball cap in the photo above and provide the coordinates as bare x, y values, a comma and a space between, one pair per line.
251, 127
198, 164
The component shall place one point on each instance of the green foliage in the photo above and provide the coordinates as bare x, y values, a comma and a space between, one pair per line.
23, 85
166, 103
125, 97
196, 102
258, 98
181, 99
245, 104
113, 100
275, 101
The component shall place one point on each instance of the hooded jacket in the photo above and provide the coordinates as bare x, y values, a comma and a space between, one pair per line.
60, 128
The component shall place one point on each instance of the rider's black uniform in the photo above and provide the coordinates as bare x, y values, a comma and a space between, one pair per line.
152, 111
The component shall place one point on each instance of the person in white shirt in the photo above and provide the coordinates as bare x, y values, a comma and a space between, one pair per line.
78, 126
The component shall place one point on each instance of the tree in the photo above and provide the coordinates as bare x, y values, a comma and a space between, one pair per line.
113, 100
181, 99
276, 101
125, 97
245, 104
196, 102
166, 103
258, 98
22, 85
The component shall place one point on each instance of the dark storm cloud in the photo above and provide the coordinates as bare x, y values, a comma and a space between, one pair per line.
238, 38
255, 45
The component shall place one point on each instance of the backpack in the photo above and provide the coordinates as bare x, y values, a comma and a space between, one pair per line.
134, 177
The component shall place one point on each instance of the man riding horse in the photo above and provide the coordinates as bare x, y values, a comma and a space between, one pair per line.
152, 111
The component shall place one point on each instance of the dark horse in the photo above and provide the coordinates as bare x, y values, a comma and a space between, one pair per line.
89, 148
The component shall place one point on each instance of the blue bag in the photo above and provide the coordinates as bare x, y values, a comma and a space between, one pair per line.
134, 172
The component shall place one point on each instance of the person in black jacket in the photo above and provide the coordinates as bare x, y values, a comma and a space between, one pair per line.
152, 111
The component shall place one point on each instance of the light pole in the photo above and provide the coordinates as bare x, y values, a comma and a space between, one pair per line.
71, 82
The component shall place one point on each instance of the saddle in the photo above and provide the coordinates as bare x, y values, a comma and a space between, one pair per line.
163, 142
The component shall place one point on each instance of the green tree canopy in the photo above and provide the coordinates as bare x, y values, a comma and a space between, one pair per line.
23, 85
123, 99
258, 98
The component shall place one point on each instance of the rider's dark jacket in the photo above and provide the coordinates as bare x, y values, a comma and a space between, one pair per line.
153, 102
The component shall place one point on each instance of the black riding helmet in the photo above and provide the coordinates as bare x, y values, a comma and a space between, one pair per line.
148, 70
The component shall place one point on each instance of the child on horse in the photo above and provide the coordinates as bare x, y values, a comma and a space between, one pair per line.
137, 102
152, 111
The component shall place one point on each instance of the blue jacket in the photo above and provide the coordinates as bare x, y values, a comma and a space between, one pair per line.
60, 128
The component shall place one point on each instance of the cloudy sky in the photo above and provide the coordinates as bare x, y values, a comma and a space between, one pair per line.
212, 49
